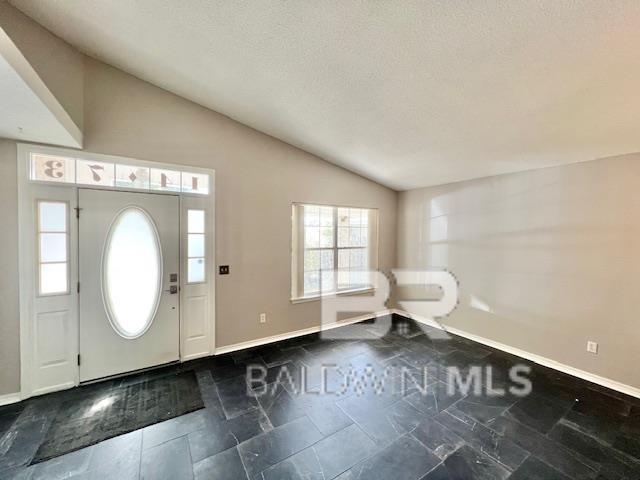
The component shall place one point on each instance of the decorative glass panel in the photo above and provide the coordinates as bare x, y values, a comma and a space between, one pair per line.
49, 168
132, 272
195, 246
196, 262
195, 270
195, 183
90, 172
53, 247
62, 169
53, 278
195, 221
53, 216
166, 180
130, 176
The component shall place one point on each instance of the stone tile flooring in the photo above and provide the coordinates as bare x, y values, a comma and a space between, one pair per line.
380, 408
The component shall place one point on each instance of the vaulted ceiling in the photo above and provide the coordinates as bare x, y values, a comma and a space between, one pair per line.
409, 93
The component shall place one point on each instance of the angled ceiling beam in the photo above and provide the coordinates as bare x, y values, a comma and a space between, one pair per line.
14, 57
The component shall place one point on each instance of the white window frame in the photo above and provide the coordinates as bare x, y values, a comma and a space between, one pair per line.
38, 256
298, 250
204, 252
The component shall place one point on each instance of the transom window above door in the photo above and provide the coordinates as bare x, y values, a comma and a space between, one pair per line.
334, 250
61, 169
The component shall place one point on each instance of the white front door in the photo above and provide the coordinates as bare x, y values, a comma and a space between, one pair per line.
129, 254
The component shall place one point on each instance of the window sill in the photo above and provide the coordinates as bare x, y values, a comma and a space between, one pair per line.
316, 298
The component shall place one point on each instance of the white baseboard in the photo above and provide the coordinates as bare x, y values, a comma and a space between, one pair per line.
194, 356
10, 398
16, 397
53, 388
547, 362
298, 333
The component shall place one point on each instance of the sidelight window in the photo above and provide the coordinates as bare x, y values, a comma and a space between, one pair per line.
53, 268
196, 258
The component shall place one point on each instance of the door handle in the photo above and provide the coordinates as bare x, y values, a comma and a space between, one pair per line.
173, 289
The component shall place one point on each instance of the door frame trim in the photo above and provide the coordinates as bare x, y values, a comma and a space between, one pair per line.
202, 345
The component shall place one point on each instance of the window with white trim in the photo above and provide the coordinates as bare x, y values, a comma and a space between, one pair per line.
334, 249
53, 270
196, 258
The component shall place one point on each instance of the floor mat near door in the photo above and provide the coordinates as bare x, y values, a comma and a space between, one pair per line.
89, 418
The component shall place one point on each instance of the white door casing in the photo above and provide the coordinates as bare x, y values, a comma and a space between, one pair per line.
49, 325
104, 351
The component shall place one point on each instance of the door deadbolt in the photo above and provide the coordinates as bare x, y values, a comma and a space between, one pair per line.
173, 277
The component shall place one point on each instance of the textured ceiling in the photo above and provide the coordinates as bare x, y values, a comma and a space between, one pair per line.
409, 93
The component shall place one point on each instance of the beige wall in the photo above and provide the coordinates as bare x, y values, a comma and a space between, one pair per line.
58, 65
257, 179
553, 253
9, 301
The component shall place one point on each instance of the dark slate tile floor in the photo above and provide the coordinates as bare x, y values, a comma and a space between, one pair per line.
381, 408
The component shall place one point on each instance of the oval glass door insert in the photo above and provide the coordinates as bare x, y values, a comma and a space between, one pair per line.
132, 272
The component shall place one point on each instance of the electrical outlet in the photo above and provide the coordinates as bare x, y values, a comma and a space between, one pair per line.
263, 318
224, 269
592, 347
